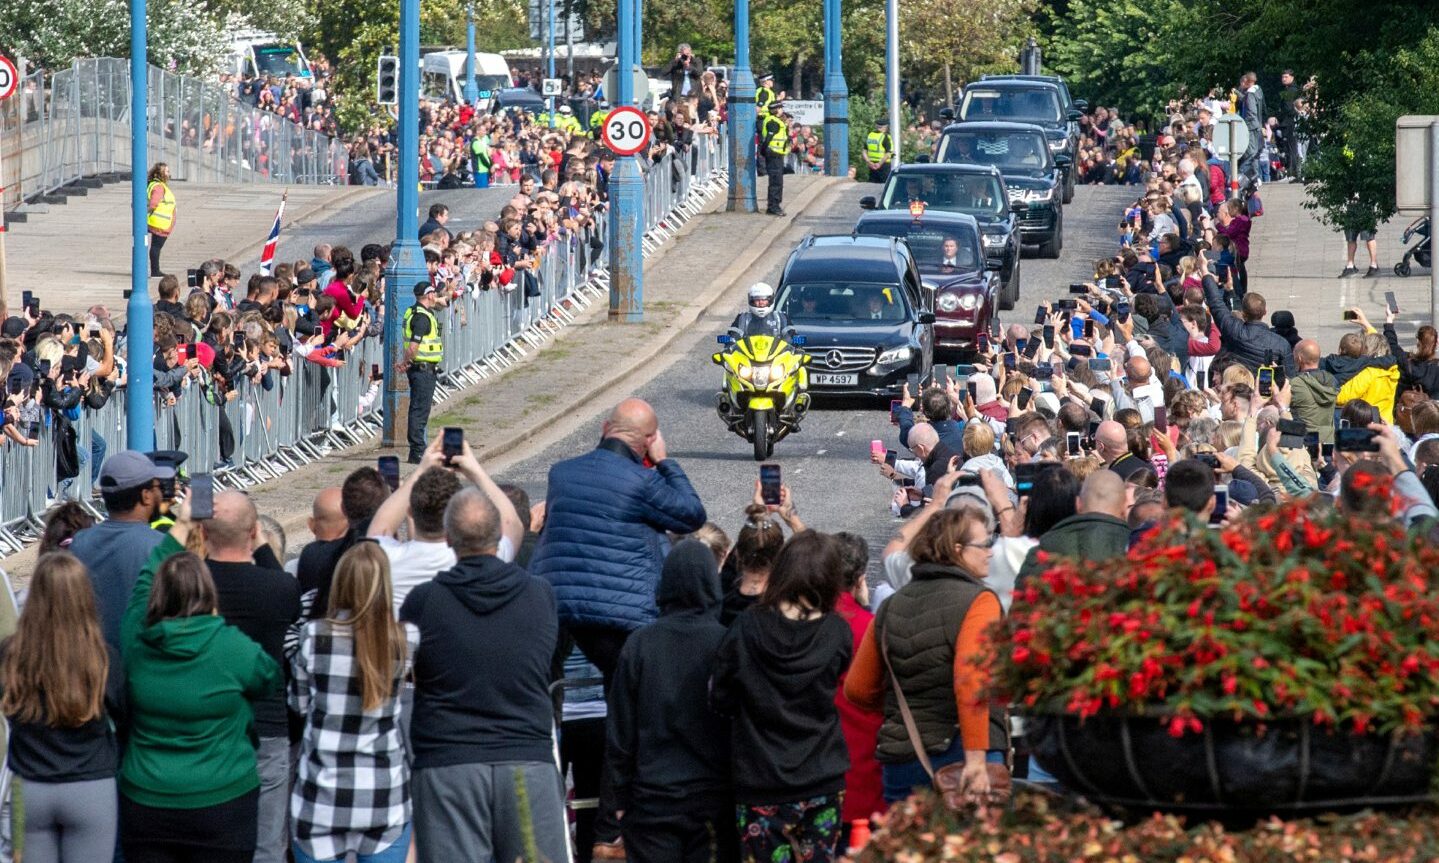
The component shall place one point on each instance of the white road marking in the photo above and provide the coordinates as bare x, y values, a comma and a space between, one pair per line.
821, 452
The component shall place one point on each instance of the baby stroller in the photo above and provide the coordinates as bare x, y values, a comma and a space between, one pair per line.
1420, 251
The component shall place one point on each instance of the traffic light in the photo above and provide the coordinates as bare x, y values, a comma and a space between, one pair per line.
387, 86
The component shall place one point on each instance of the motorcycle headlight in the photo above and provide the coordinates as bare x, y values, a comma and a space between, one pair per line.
946, 302
776, 370
992, 241
761, 376
893, 355
1058, 144
744, 371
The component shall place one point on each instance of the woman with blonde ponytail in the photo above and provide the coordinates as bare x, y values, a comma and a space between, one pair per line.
352, 792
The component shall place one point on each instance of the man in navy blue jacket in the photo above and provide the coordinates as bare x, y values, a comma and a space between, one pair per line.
604, 540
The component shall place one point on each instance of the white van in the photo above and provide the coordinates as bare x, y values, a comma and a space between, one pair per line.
443, 75
261, 54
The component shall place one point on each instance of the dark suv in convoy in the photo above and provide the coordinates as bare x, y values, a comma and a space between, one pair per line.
974, 190
951, 263
1028, 100
1031, 174
1072, 107
861, 307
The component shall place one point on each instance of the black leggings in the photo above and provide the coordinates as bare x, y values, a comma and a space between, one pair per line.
223, 833
157, 242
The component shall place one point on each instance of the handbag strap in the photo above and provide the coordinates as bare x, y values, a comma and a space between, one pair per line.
904, 712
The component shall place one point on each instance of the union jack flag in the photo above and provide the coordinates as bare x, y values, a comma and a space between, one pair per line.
267, 256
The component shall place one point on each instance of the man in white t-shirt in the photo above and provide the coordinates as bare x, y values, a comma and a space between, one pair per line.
420, 503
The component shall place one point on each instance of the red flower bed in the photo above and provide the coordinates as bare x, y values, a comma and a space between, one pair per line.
1298, 612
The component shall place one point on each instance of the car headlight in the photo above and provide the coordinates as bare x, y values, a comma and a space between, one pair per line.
969, 302
947, 302
992, 240
893, 355
1058, 144
1038, 195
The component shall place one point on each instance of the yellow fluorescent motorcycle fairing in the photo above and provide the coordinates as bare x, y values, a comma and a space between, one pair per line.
765, 382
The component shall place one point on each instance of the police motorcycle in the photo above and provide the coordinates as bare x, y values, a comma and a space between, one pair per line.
765, 396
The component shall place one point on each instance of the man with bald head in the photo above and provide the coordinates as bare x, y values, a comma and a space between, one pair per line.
257, 597
607, 515
934, 453
1111, 443
1313, 391
327, 520
1098, 530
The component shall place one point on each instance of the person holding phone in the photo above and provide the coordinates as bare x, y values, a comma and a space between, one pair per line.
424, 351
1418, 370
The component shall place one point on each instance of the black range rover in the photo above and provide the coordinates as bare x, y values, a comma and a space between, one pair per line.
1031, 175
1028, 99
861, 307
974, 190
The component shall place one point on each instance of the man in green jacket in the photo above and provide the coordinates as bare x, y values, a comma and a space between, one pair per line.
1313, 391
1096, 532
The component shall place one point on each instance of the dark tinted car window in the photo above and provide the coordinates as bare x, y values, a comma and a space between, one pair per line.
1026, 151
976, 194
1039, 104
842, 302
928, 243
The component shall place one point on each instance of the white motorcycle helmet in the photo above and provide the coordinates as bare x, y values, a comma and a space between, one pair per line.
761, 299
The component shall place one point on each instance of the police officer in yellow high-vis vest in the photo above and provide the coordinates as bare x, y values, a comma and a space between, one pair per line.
774, 144
879, 152
421, 365
161, 213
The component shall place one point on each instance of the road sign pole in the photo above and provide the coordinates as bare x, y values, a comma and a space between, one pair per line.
550, 61
627, 192
139, 311
836, 95
1433, 219
407, 262
741, 119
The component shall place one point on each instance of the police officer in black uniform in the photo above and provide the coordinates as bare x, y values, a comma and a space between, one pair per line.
774, 145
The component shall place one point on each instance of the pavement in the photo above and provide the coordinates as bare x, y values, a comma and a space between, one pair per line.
230, 222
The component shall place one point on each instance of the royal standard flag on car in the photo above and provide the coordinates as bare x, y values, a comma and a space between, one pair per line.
267, 256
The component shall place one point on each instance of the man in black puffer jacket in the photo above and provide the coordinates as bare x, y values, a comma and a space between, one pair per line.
1246, 337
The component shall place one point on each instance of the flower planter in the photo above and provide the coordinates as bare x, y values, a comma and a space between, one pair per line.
1231, 767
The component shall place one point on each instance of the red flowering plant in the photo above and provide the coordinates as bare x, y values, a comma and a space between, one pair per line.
1302, 611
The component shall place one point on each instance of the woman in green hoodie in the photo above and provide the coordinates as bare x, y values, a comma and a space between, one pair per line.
189, 790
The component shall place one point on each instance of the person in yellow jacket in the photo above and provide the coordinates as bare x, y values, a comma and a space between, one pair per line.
597, 119
160, 220
568, 122
879, 151
764, 95
1377, 384
774, 144
424, 351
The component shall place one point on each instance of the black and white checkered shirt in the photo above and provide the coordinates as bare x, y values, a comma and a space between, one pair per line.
352, 789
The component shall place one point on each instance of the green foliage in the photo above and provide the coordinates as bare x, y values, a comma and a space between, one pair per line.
863, 114
977, 36
52, 33
1351, 176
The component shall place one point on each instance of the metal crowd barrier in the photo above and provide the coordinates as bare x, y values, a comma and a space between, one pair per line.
316, 409
75, 123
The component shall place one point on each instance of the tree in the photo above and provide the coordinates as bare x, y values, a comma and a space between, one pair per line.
52, 33
977, 36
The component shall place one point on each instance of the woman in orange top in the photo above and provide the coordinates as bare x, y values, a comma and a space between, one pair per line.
935, 631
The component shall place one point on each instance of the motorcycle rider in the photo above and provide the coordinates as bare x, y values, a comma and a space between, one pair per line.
761, 318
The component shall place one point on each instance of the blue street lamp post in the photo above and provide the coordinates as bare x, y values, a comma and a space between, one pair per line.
836, 94
550, 101
472, 91
139, 311
627, 189
407, 262
741, 119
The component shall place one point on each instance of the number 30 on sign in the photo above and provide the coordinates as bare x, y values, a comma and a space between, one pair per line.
626, 130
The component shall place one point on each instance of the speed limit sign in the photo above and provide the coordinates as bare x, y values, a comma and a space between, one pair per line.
9, 78
626, 130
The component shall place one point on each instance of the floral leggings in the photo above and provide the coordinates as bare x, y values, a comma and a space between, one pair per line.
804, 831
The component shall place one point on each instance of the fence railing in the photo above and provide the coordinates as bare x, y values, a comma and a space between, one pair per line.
75, 123
302, 417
